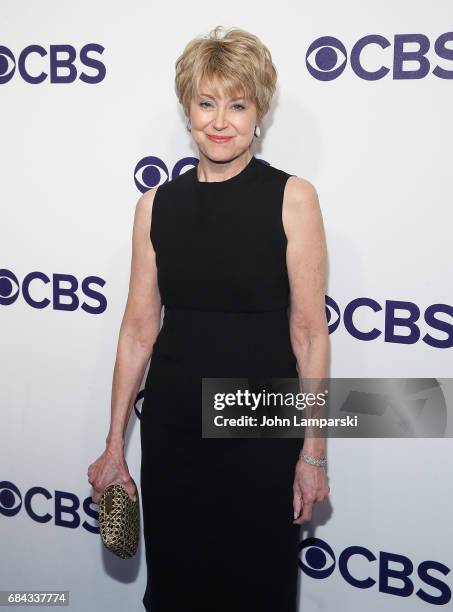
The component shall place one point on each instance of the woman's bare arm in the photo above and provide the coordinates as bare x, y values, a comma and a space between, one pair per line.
306, 257
140, 324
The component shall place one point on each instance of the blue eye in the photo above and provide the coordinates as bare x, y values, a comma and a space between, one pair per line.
241, 107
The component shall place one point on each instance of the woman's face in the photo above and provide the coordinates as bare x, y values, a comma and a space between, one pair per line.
231, 120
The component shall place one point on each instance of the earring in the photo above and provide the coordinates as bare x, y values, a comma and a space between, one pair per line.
189, 126
257, 131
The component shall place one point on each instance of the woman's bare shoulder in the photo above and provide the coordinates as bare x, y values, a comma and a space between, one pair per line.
143, 209
145, 201
299, 190
300, 204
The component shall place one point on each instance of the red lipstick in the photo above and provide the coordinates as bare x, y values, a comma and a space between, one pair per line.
219, 138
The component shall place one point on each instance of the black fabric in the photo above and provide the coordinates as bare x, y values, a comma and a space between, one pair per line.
217, 513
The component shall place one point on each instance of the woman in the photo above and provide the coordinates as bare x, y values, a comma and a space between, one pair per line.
227, 247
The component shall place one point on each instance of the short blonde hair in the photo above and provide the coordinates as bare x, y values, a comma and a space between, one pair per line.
238, 61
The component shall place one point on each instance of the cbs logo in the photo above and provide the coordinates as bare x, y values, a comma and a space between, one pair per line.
61, 297
36, 64
318, 560
327, 57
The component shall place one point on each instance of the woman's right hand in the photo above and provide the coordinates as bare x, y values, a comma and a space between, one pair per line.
110, 468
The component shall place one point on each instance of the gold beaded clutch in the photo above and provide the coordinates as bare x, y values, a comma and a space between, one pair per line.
119, 521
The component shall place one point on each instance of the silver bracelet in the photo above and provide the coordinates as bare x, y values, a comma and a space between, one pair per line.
312, 460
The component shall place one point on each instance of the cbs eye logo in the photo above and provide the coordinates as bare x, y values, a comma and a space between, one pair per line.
327, 57
152, 171
9, 287
58, 64
10, 499
318, 558
333, 314
324, 53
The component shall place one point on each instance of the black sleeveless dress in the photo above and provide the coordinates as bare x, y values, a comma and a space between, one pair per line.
217, 513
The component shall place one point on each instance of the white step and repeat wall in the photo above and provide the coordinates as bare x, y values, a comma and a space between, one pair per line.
90, 121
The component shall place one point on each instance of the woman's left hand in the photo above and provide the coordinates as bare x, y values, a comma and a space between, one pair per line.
310, 486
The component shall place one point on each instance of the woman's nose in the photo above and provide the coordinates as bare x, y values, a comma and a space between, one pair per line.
220, 121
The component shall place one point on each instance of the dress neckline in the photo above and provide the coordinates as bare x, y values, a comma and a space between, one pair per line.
237, 178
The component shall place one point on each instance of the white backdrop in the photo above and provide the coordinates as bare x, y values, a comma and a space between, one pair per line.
379, 154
